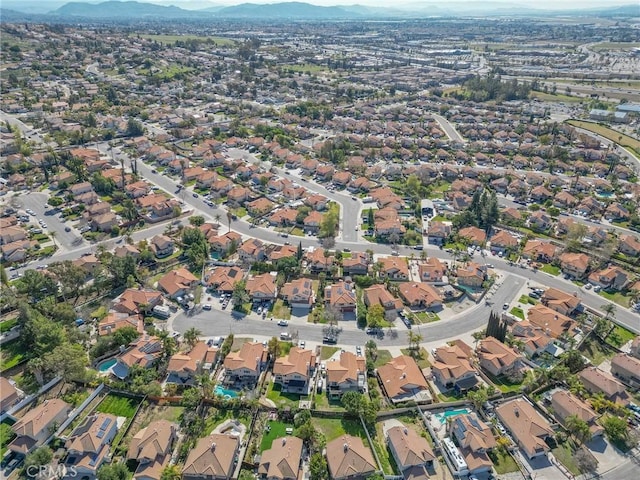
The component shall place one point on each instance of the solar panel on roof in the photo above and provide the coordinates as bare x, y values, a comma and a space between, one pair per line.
100, 434
105, 424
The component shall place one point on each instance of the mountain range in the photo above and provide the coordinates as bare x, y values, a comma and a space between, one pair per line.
291, 10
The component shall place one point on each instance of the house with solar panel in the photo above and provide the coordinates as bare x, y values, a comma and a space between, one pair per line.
89, 444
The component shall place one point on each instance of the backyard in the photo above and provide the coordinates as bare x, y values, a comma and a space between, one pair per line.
504, 384
275, 430
332, 428
595, 351
384, 454
565, 453
280, 398
215, 416
619, 336
11, 355
118, 406
6, 436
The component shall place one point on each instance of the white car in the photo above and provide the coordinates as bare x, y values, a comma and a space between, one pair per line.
283, 323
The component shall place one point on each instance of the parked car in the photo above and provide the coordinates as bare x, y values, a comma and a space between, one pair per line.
283, 323
206, 306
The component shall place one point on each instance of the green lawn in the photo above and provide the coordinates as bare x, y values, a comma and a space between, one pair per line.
565, 454
421, 356
526, 299
332, 428
504, 384
215, 417
384, 356
305, 68
595, 351
280, 310
426, 317
616, 297
275, 394
550, 269
608, 133
619, 336
503, 462
517, 312
277, 430
11, 355
8, 325
549, 97
118, 406
327, 352
6, 436
323, 403
238, 342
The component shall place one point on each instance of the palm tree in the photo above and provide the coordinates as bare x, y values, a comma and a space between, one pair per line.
205, 382
609, 310
53, 238
217, 219
36, 367
229, 217
192, 336
171, 472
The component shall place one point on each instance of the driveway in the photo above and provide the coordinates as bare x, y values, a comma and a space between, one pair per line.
541, 468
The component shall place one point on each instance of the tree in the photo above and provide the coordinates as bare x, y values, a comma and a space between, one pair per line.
478, 397
414, 340
573, 360
496, 328
37, 458
171, 472
317, 467
239, 294
609, 310
273, 348
37, 285
71, 278
352, 403
616, 428
577, 428
68, 361
371, 349
113, 471
120, 269
196, 220
134, 128
192, 336
375, 316
585, 461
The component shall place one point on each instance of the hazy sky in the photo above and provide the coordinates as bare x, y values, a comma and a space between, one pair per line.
556, 4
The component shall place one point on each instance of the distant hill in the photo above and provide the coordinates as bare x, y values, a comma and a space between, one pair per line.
284, 10
114, 9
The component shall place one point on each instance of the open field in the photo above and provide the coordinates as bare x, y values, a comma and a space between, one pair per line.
600, 47
559, 97
608, 133
220, 41
305, 67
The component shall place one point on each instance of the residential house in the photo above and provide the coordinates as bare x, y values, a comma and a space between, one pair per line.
629, 245
89, 444
626, 368
224, 243
282, 460
503, 241
566, 404
89, 263
223, 279
277, 252
379, 295
36, 426
137, 300
262, 287
358, 264
127, 250
213, 458
238, 195
535, 339
349, 459
260, 206
539, 251
474, 235
116, 320
12, 234
294, 371
402, 380
177, 283
80, 188
420, 295
283, 217
143, 352
104, 222
433, 270
137, 189
9, 394
298, 293
554, 324
438, 232
348, 374
387, 228
251, 251
312, 222
574, 264
539, 220
598, 381
317, 202
452, 369
184, 367
610, 278
242, 368
394, 268
151, 447
319, 260
412, 452
17, 251
475, 439
471, 275
560, 301
341, 296
497, 358
162, 246
528, 427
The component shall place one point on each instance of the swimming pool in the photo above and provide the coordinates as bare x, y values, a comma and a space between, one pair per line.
442, 417
106, 365
224, 392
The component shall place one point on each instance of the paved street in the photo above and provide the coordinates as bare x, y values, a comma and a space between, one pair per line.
448, 128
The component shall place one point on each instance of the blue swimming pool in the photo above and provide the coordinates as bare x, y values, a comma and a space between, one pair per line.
224, 392
442, 417
107, 364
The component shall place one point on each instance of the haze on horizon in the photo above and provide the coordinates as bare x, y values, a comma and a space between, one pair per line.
403, 4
